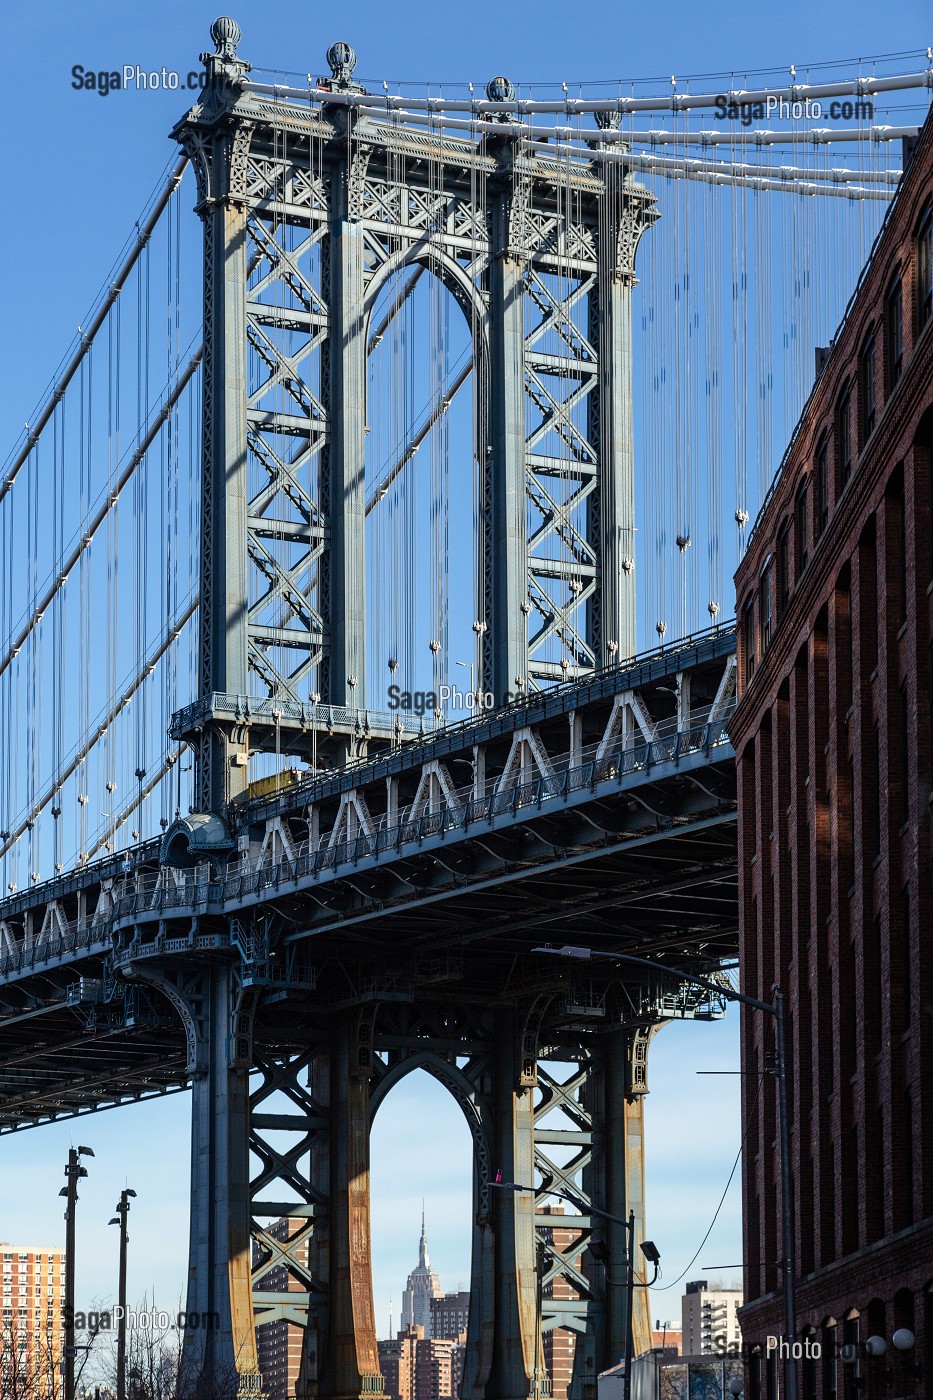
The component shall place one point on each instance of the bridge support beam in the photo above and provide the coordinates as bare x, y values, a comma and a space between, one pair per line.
345, 503
221, 1350
625, 215
517, 1348
506, 467
224, 488
352, 1369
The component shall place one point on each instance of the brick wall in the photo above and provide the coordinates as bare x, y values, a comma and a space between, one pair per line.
833, 737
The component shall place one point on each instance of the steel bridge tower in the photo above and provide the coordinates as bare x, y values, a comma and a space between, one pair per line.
307, 211
307, 214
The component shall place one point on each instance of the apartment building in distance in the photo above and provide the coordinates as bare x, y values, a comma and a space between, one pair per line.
833, 735
32, 1285
559, 1343
450, 1315
416, 1367
709, 1320
279, 1343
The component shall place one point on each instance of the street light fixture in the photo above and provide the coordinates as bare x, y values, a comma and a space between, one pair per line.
73, 1172
773, 1008
122, 1209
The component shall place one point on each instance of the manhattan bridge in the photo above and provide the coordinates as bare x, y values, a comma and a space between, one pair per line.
365, 642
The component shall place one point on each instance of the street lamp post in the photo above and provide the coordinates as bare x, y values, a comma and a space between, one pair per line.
773, 1008
73, 1172
122, 1209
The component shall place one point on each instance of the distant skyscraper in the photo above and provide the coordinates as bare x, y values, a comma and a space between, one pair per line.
423, 1285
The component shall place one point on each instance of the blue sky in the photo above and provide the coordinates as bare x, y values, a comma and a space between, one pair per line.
77, 169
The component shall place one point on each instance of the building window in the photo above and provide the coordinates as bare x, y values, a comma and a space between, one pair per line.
867, 388
821, 492
764, 607
783, 569
748, 639
894, 332
925, 269
844, 438
803, 535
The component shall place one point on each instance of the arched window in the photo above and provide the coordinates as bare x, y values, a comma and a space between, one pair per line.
821, 491
783, 568
748, 638
925, 268
868, 402
893, 332
764, 605
843, 438
802, 529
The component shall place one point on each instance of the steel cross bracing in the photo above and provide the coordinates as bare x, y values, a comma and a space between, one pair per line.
308, 212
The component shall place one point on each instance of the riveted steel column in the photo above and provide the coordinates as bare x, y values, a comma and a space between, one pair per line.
513, 1361
220, 1347
508, 548
223, 616
616, 470
627, 211
351, 1365
614, 1181
346, 659
635, 1178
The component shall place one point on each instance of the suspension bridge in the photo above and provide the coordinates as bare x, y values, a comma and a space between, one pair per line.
364, 640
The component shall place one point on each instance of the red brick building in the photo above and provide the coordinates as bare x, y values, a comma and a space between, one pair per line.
833, 738
559, 1344
416, 1367
279, 1343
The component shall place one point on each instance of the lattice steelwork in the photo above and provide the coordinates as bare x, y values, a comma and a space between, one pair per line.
308, 213
550, 1091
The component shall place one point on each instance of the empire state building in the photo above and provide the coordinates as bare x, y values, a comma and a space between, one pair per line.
423, 1285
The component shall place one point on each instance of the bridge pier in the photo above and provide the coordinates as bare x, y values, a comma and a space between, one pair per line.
221, 1347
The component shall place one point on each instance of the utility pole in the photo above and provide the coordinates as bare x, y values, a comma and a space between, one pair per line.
73, 1172
629, 1301
123, 1210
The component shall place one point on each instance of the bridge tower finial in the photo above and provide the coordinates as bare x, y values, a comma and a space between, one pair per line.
226, 34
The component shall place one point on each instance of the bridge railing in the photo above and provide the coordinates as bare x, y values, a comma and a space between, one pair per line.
503, 801
194, 889
525, 710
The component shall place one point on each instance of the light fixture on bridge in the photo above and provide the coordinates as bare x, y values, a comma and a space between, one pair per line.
650, 1250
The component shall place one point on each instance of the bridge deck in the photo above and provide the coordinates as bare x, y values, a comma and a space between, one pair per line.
600, 814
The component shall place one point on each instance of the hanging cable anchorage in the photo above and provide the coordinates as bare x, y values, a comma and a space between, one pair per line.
110, 500
87, 338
